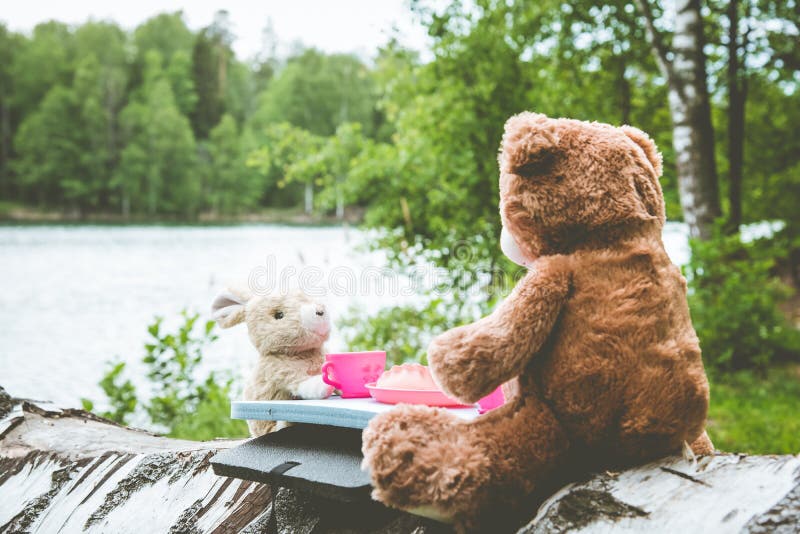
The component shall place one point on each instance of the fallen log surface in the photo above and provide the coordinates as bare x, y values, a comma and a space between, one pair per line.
66, 470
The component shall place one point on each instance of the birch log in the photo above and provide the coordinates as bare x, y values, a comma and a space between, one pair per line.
64, 470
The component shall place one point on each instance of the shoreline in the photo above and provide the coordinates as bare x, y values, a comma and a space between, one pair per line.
26, 216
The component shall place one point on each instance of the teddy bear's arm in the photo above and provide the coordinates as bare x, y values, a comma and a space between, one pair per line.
470, 361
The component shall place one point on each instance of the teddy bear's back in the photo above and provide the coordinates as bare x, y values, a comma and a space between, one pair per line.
623, 371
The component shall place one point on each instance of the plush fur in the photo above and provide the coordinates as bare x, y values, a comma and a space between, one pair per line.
289, 332
597, 337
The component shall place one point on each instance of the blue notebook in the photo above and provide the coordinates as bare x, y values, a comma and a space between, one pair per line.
335, 411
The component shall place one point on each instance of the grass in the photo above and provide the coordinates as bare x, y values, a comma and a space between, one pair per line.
756, 414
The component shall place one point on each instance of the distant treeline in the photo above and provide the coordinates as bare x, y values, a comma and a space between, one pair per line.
162, 120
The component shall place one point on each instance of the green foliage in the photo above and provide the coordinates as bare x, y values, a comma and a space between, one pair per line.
42, 62
178, 402
172, 360
734, 297
166, 33
232, 187
402, 331
167, 122
157, 170
772, 167
42, 163
318, 92
285, 156
178, 73
428, 132
756, 414
121, 395
211, 58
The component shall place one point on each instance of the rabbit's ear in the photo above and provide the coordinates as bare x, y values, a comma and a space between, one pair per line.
228, 308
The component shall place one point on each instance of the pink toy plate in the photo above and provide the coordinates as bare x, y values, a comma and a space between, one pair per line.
412, 396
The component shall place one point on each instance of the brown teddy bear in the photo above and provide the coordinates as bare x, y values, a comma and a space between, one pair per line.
289, 331
597, 337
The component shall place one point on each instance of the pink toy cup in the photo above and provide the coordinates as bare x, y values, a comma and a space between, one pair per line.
493, 400
349, 372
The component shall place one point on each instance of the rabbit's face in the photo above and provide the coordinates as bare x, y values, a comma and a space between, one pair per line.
288, 323
277, 324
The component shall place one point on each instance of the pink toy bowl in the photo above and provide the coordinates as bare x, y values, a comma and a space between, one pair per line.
349, 372
493, 400
412, 396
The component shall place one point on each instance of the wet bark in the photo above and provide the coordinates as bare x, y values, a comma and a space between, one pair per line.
684, 67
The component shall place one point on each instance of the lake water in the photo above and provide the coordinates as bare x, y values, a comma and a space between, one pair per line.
74, 297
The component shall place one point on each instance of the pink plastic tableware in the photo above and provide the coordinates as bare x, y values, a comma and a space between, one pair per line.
493, 400
349, 372
429, 397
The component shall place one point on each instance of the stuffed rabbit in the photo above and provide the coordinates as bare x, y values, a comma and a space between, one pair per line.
289, 331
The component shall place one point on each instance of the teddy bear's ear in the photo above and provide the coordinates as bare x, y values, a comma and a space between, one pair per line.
647, 187
529, 145
228, 309
646, 144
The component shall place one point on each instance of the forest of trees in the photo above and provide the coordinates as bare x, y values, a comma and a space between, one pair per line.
163, 122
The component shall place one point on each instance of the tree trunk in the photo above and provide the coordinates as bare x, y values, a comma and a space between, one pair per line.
126, 205
690, 108
111, 146
309, 198
339, 201
5, 145
736, 110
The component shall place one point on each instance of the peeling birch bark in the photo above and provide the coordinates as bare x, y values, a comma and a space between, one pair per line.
70, 471
721, 493
65, 470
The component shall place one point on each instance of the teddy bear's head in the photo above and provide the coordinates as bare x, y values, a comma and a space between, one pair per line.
566, 182
283, 324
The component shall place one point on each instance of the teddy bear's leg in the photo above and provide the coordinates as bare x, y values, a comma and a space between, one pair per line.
423, 457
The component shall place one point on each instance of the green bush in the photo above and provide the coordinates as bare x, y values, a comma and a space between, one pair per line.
121, 395
179, 403
402, 331
734, 296
469, 282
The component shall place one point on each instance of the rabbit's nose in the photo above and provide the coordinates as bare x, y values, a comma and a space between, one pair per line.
320, 311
